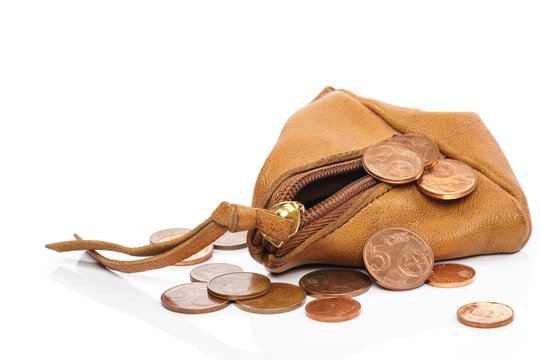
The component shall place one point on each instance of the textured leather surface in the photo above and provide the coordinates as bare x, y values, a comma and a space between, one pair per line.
493, 219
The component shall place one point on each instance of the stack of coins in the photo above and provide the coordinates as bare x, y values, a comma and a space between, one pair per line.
407, 158
218, 284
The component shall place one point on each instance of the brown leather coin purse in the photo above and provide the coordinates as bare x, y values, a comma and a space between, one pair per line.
314, 202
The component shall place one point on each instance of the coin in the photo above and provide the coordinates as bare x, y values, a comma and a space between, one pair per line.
393, 163
231, 241
397, 258
239, 285
335, 282
281, 298
207, 272
449, 275
333, 309
448, 180
192, 298
173, 233
167, 234
485, 314
427, 149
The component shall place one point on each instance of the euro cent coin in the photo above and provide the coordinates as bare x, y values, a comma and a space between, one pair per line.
393, 163
485, 314
207, 272
450, 275
281, 298
333, 309
448, 180
397, 258
231, 241
192, 298
174, 233
167, 234
239, 286
427, 149
335, 282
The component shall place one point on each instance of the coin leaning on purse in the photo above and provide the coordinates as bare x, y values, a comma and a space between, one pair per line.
407, 158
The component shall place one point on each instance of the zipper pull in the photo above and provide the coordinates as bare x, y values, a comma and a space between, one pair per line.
290, 210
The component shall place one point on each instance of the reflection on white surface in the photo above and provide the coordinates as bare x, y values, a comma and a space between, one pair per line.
387, 316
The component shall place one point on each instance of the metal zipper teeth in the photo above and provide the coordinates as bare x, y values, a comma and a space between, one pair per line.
337, 199
334, 200
313, 176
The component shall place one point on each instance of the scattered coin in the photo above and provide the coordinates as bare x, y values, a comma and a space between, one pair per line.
335, 282
427, 149
448, 180
397, 258
239, 285
485, 314
281, 298
207, 272
167, 234
192, 298
333, 309
173, 233
450, 275
393, 163
231, 241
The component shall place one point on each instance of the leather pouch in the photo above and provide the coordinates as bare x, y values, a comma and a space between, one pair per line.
317, 162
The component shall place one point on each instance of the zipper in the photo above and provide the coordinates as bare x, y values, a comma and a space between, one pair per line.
321, 214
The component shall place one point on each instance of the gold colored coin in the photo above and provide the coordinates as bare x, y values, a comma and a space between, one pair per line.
450, 275
485, 314
335, 282
281, 298
427, 149
192, 298
174, 233
448, 180
207, 272
239, 286
397, 258
231, 241
393, 163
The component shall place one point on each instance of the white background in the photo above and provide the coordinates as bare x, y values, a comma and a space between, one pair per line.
120, 118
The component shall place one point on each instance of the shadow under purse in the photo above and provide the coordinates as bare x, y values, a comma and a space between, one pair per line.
314, 202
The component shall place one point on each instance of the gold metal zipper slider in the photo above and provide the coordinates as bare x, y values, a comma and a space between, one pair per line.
290, 210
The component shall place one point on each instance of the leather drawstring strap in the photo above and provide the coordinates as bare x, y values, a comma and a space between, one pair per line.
227, 216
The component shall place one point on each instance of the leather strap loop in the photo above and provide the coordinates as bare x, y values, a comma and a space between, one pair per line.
227, 216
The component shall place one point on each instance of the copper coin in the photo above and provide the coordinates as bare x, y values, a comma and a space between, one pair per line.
167, 234
174, 233
281, 298
448, 180
333, 309
207, 272
335, 282
485, 314
397, 258
393, 163
449, 275
192, 298
427, 149
239, 286
231, 241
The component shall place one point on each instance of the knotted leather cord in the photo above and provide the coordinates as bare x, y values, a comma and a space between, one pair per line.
227, 216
